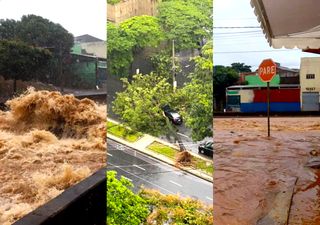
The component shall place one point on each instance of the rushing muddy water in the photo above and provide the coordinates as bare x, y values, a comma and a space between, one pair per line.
48, 142
251, 169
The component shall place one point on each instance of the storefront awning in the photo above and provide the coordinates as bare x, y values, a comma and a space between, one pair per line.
289, 23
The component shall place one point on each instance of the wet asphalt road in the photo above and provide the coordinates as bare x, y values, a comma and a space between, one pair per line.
185, 136
151, 173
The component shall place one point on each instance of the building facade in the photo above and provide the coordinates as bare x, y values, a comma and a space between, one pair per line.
310, 83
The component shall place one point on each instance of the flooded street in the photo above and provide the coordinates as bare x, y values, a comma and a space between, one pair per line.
251, 170
48, 142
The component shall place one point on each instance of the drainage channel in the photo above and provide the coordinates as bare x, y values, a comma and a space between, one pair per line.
82, 204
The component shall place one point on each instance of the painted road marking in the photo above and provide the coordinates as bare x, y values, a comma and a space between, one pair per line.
175, 183
109, 154
209, 198
183, 135
139, 167
127, 178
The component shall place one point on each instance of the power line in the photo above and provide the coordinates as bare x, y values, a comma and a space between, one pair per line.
239, 18
240, 32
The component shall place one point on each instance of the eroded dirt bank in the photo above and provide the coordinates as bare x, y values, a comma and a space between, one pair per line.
48, 142
251, 169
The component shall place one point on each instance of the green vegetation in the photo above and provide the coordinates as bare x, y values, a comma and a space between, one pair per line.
203, 165
139, 105
224, 76
184, 22
241, 67
195, 98
113, 2
25, 47
170, 152
119, 51
163, 150
172, 209
128, 38
189, 23
37, 31
143, 31
123, 132
151, 207
162, 64
123, 206
21, 61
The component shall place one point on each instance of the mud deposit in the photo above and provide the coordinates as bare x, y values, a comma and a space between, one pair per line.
251, 169
48, 142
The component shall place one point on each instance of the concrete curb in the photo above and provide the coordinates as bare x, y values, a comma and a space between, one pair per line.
160, 157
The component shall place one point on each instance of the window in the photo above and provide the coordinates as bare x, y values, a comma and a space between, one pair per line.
310, 76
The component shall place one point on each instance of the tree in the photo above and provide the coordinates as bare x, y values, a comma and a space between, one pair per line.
241, 67
184, 23
223, 77
41, 32
144, 31
119, 51
129, 38
204, 6
162, 65
197, 98
123, 206
8, 29
21, 61
139, 105
36, 31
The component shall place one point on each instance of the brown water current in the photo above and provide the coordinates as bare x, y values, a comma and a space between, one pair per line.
251, 169
48, 142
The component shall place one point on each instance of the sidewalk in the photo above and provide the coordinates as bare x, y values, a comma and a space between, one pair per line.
142, 144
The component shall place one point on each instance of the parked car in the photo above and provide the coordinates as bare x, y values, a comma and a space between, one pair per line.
172, 115
206, 148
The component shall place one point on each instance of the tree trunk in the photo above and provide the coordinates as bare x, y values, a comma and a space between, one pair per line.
173, 131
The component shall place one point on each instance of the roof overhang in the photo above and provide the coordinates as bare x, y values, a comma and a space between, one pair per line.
289, 23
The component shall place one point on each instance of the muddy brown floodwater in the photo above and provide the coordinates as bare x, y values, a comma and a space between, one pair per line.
251, 169
48, 142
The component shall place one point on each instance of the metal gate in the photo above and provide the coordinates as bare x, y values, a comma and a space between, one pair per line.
310, 101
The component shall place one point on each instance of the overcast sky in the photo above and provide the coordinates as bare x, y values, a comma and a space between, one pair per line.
251, 43
77, 16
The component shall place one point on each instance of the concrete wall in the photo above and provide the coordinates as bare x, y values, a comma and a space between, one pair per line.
97, 48
310, 88
129, 8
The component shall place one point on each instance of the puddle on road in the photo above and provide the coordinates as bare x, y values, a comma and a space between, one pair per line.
48, 142
250, 169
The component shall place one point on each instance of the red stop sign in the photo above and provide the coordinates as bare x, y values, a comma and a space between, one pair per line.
267, 70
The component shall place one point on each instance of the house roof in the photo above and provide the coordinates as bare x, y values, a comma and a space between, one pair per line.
289, 23
90, 57
86, 38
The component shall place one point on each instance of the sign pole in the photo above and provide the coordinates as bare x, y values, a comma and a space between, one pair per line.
268, 105
267, 70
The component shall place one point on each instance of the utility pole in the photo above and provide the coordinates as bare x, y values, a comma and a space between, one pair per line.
173, 69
